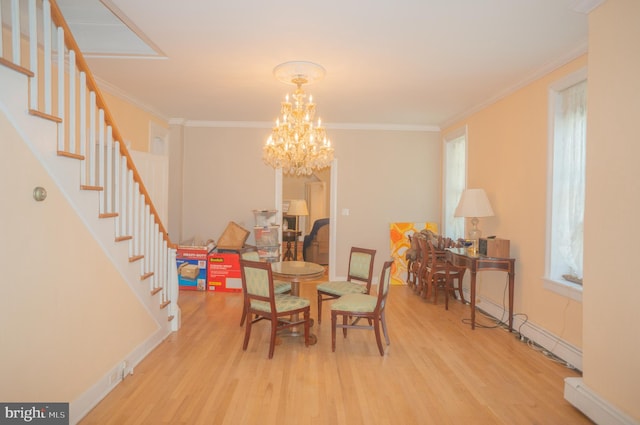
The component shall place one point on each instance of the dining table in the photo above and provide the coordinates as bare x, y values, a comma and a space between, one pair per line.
296, 272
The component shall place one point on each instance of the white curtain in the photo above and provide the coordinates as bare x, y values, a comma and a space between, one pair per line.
455, 176
569, 176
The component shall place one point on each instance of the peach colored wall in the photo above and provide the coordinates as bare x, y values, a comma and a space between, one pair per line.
132, 121
611, 294
66, 315
507, 156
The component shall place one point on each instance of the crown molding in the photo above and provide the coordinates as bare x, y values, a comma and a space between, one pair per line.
586, 6
580, 50
340, 126
116, 91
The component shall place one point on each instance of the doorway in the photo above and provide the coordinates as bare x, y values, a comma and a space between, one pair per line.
288, 187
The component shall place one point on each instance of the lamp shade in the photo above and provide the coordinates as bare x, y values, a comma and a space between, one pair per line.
473, 203
298, 207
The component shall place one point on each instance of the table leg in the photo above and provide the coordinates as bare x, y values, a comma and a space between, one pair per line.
295, 290
473, 299
511, 288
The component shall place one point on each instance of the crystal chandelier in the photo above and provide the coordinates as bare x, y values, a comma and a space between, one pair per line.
297, 145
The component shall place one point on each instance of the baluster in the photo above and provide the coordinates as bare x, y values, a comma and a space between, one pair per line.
117, 187
61, 96
48, 63
107, 173
15, 33
33, 56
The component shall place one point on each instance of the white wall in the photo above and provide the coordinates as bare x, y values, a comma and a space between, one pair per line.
383, 177
67, 317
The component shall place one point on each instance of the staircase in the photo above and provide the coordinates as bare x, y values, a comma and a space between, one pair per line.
49, 95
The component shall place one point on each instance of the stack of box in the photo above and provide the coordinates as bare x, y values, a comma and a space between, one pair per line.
191, 260
267, 234
223, 263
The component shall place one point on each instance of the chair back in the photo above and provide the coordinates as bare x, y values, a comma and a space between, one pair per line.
384, 285
257, 281
436, 257
250, 253
361, 265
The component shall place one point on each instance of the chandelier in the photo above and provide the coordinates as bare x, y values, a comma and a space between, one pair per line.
297, 145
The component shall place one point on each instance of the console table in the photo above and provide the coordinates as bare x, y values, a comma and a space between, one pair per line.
476, 263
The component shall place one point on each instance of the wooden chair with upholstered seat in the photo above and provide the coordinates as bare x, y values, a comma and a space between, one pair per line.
280, 287
262, 301
360, 274
439, 274
353, 307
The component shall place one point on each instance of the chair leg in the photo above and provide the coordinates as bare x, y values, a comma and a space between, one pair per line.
460, 291
244, 313
319, 308
383, 320
334, 319
376, 327
272, 341
345, 322
447, 288
247, 333
307, 313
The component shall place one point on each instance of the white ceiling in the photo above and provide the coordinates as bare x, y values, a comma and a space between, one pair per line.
390, 64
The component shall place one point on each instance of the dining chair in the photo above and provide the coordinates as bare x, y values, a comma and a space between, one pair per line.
262, 301
353, 307
439, 274
358, 280
280, 287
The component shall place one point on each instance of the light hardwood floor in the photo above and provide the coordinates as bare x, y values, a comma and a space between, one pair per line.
436, 371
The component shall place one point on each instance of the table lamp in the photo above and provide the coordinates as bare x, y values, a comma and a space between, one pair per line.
474, 203
297, 207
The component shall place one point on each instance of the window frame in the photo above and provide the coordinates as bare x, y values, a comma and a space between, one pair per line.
451, 137
561, 287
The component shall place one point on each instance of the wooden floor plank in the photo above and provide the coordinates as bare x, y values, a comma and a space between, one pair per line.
436, 371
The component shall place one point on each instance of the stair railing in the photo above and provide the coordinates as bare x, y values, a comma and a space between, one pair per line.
36, 41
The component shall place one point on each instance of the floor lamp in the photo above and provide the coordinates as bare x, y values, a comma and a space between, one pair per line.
298, 207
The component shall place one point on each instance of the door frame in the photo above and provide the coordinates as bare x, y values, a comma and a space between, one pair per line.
333, 208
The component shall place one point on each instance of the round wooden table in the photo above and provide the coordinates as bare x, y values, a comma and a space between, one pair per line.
296, 272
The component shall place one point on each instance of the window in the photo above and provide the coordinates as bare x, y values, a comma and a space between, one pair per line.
566, 186
455, 176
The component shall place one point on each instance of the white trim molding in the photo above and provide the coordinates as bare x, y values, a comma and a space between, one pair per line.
555, 345
593, 406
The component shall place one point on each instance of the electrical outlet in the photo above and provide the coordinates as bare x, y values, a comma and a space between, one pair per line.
113, 378
123, 369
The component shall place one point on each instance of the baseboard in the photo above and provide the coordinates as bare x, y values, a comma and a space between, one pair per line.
124, 368
592, 405
550, 342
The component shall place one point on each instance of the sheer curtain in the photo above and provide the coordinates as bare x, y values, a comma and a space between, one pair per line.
569, 177
454, 184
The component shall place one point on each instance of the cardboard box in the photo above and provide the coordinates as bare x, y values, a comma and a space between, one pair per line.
223, 272
233, 237
494, 247
192, 267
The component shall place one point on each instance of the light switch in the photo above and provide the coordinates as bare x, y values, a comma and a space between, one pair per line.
345, 211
